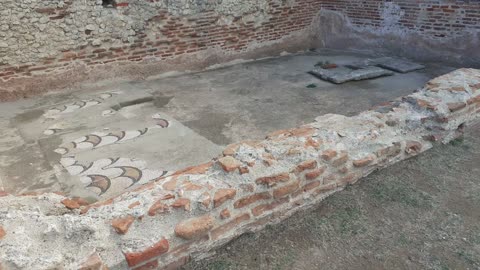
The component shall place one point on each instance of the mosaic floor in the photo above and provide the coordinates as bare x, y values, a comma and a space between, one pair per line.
105, 138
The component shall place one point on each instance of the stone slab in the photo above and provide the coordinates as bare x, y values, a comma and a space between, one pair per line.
344, 74
396, 64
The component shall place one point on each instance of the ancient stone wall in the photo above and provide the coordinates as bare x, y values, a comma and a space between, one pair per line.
163, 224
90, 39
428, 30
49, 44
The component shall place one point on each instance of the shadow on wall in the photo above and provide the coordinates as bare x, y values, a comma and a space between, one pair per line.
337, 31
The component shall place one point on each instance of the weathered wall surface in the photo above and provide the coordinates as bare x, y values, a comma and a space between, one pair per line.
161, 225
427, 30
51, 44
136, 38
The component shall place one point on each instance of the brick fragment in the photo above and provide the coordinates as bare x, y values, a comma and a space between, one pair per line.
93, 262
273, 179
158, 207
306, 165
251, 199
259, 210
136, 258
182, 203
456, 106
223, 195
364, 161
121, 225
312, 143
2, 232
199, 169
285, 190
225, 214
133, 205
70, 204
229, 164
315, 173
329, 154
231, 149
311, 186
194, 227
170, 185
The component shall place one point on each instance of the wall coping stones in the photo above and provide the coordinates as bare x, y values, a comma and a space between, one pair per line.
165, 223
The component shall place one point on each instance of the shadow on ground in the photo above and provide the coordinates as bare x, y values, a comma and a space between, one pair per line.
422, 213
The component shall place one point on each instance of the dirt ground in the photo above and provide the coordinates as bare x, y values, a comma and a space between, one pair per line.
423, 213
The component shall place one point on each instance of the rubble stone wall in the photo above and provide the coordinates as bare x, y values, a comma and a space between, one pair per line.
49, 44
164, 224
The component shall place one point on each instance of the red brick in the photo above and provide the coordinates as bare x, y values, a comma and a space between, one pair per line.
329, 154
225, 214
194, 227
251, 199
182, 203
364, 161
285, 190
136, 258
306, 165
229, 164
259, 210
94, 262
70, 204
222, 195
121, 225
133, 205
315, 173
158, 207
273, 179
2, 232
199, 169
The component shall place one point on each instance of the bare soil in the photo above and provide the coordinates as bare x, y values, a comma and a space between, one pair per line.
423, 213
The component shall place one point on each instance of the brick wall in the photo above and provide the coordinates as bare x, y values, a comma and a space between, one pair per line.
446, 30
41, 40
143, 31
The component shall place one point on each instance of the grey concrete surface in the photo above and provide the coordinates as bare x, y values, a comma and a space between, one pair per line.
205, 112
345, 74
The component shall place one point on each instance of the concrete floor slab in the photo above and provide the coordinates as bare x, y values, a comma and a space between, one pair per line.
344, 74
398, 65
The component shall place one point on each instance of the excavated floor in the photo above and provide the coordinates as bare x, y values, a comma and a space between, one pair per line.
101, 139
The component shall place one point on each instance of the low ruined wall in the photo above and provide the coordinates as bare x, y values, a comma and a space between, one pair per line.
427, 30
47, 44
164, 224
